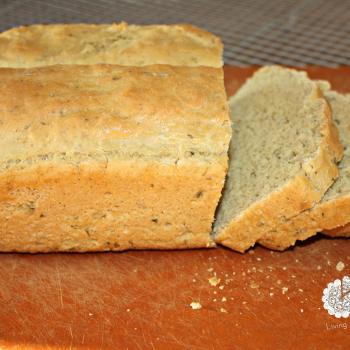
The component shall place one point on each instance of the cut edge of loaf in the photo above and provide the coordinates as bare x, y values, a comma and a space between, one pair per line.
300, 193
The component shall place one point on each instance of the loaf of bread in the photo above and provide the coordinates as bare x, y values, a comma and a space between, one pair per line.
105, 157
334, 209
122, 44
283, 155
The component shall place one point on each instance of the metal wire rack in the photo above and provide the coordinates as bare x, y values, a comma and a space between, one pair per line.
255, 32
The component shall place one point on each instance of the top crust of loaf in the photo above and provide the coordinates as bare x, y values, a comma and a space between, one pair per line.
304, 188
155, 113
122, 44
334, 209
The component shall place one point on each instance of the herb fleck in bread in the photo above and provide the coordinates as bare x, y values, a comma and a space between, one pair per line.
107, 157
283, 155
334, 209
122, 44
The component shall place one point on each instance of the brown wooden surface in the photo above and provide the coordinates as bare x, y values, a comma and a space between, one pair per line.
141, 299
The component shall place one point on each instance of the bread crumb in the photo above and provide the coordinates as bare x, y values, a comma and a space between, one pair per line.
340, 266
318, 267
284, 268
214, 292
301, 310
194, 280
214, 281
90, 314
279, 282
251, 252
284, 290
258, 259
210, 269
223, 310
300, 290
214, 300
127, 310
221, 287
195, 305
223, 299
271, 294
254, 285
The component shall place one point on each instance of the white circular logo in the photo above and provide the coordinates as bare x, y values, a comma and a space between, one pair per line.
336, 297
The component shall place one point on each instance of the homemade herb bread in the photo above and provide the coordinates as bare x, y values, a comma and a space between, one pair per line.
283, 155
122, 44
105, 157
334, 209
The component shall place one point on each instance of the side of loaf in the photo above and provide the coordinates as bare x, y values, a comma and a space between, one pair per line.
334, 209
122, 44
283, 155
107, 157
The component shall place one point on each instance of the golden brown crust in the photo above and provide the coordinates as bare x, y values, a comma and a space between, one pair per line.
126, 206
341, 231
326, 215
301, 193
122, 44
110, 158
170, 112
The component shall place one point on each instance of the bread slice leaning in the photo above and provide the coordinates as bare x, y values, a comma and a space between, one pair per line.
283, 155
122, 44
333, 211
106, 157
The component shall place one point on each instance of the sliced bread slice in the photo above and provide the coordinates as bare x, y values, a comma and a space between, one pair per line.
283, 155
334, 209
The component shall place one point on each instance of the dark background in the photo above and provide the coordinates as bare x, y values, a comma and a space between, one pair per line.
291, 32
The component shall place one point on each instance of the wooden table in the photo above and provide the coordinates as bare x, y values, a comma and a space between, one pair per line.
141, 299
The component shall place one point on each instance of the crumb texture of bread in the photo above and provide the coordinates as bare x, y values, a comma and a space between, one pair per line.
283, 155
333, 211
121, 44
104, 157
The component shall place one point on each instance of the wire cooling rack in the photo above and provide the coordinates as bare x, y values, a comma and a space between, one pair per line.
255, 32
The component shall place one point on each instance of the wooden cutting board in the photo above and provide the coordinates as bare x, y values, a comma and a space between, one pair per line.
142, 299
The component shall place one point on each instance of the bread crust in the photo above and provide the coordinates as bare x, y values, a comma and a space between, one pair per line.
299, 194
118, 207
341, 231
122, 44
91, 163
327, 215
